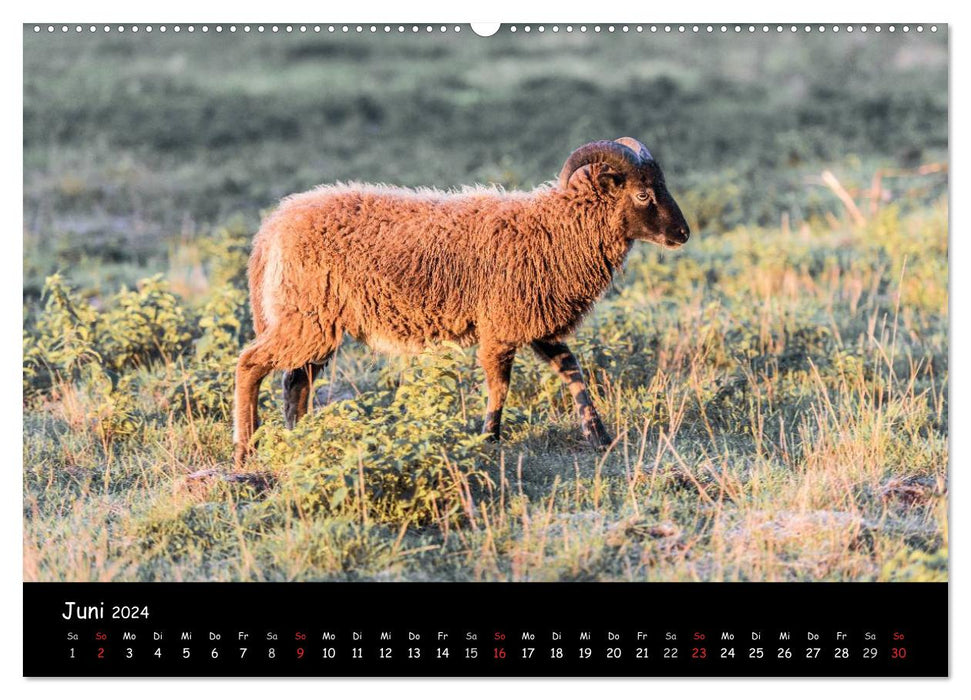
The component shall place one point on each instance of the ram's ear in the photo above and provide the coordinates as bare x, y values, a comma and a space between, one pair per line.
608, 179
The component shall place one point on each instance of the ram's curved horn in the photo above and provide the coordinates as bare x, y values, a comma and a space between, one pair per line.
618, 156
639, 148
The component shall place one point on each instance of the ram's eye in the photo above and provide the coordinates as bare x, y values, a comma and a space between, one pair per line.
642, 196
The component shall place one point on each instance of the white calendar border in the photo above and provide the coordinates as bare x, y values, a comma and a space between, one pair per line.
450, 11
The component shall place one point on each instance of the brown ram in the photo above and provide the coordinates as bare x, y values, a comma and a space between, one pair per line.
400, 269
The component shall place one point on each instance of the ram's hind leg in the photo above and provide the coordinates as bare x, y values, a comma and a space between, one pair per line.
565, 364
297, 385
496, 359
254, 364
298, 390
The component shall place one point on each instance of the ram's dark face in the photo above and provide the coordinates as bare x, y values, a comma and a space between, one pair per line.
624, 171
653, 215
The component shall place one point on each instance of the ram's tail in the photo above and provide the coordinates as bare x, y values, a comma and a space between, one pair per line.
257, 278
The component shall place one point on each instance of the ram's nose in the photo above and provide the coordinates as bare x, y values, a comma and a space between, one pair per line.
681, 234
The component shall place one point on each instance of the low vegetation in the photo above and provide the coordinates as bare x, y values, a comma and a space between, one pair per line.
780, 400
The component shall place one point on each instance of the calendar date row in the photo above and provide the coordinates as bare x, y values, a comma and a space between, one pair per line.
302, 652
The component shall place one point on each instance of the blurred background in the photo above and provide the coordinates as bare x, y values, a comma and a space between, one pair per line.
134, 145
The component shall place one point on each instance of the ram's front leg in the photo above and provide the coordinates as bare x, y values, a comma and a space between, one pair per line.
496, 359
565, 364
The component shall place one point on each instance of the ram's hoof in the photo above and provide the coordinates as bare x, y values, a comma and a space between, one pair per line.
598, 437
240, 454
602, 443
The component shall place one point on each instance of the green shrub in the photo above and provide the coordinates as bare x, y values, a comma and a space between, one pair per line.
400, 455
141, 325
205, 386
116, 414
62, 341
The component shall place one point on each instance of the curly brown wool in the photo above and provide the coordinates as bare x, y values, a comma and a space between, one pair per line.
400, 269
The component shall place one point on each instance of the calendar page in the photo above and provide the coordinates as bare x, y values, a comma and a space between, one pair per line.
485, 350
